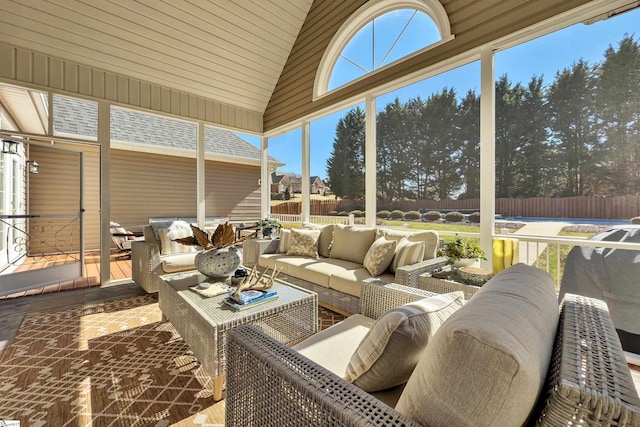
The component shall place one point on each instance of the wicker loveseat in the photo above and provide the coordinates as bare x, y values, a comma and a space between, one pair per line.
509, 356
158, 254
337, 273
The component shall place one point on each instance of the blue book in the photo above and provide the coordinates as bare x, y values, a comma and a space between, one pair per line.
253, 295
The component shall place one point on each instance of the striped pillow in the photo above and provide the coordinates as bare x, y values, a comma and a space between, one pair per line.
285, 241
176, 230
407, 253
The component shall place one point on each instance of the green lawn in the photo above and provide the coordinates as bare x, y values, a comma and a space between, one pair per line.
552, 250
553, 255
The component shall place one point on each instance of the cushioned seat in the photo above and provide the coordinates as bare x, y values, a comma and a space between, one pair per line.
350, 281
178, 262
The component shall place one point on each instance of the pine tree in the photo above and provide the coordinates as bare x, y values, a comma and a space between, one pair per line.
618, 101
534, 178
345, 166
508, 132
393, 142
572, 123
469, 124
444, 138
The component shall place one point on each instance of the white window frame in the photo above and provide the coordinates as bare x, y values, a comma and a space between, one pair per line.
362, 17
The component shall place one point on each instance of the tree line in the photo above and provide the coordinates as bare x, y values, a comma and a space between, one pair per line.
578, 135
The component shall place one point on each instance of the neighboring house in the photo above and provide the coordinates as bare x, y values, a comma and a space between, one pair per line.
280, 182
317, 186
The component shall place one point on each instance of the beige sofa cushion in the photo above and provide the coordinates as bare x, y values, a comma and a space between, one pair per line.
326, 237
304, 243
390, 351
332, 348
406, 253
429, 237
349, 281
351, 243
177, 230
487, 364
379, 256
178, 262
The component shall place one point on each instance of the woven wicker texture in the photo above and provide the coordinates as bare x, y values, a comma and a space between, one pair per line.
589, 383
443, 286
273, 385
203, 323
378, 297
253, 248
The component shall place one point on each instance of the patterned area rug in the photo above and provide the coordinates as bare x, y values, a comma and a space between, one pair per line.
107, 364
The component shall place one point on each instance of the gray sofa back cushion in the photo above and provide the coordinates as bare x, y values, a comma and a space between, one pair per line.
487, 363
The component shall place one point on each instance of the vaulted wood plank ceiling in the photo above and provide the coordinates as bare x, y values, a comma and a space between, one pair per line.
231, 51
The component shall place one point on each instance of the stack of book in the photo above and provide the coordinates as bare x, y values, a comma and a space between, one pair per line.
250, 298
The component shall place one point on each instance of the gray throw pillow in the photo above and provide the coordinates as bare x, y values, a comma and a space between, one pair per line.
390, 351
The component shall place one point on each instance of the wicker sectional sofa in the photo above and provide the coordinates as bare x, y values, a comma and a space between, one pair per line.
337, 274
510, 356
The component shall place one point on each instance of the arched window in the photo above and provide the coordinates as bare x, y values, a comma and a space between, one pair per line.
377, 35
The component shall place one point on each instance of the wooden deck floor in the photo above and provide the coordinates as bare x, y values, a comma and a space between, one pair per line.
120, 269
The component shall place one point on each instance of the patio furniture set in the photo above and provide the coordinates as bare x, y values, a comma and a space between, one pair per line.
511, 355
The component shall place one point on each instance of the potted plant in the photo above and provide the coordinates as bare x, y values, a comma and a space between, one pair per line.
461, 251
267, 226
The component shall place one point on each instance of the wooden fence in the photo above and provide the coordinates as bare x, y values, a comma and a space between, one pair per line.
619, 207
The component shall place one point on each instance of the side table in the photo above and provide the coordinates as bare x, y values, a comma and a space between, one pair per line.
253, 248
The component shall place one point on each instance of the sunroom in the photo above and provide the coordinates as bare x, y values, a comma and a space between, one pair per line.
280, 81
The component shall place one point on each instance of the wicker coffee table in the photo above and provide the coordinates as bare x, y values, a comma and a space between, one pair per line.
203, 322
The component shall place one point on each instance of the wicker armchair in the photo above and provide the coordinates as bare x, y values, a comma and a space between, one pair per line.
272, 384
588, 382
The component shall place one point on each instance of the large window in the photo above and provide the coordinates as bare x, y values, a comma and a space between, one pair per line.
337, 162
377, 35
428, 141
568, 114
286, 180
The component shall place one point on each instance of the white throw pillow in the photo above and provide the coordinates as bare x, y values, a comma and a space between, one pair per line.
304, 243
177, 230
389, 352
407, 253
285, 241
379, 256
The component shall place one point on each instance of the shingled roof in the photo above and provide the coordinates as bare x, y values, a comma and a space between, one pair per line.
77, 117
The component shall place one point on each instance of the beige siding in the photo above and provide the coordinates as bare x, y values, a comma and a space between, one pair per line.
474, 23
21, 66
151, 185
55, 190
142, 186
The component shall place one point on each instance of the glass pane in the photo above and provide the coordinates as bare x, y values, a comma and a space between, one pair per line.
428, 146
286, 179
75, 118
567, 121
337, 164
26, 109
382, 41
152, 131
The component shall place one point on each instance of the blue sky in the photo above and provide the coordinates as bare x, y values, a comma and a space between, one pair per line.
543, 56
